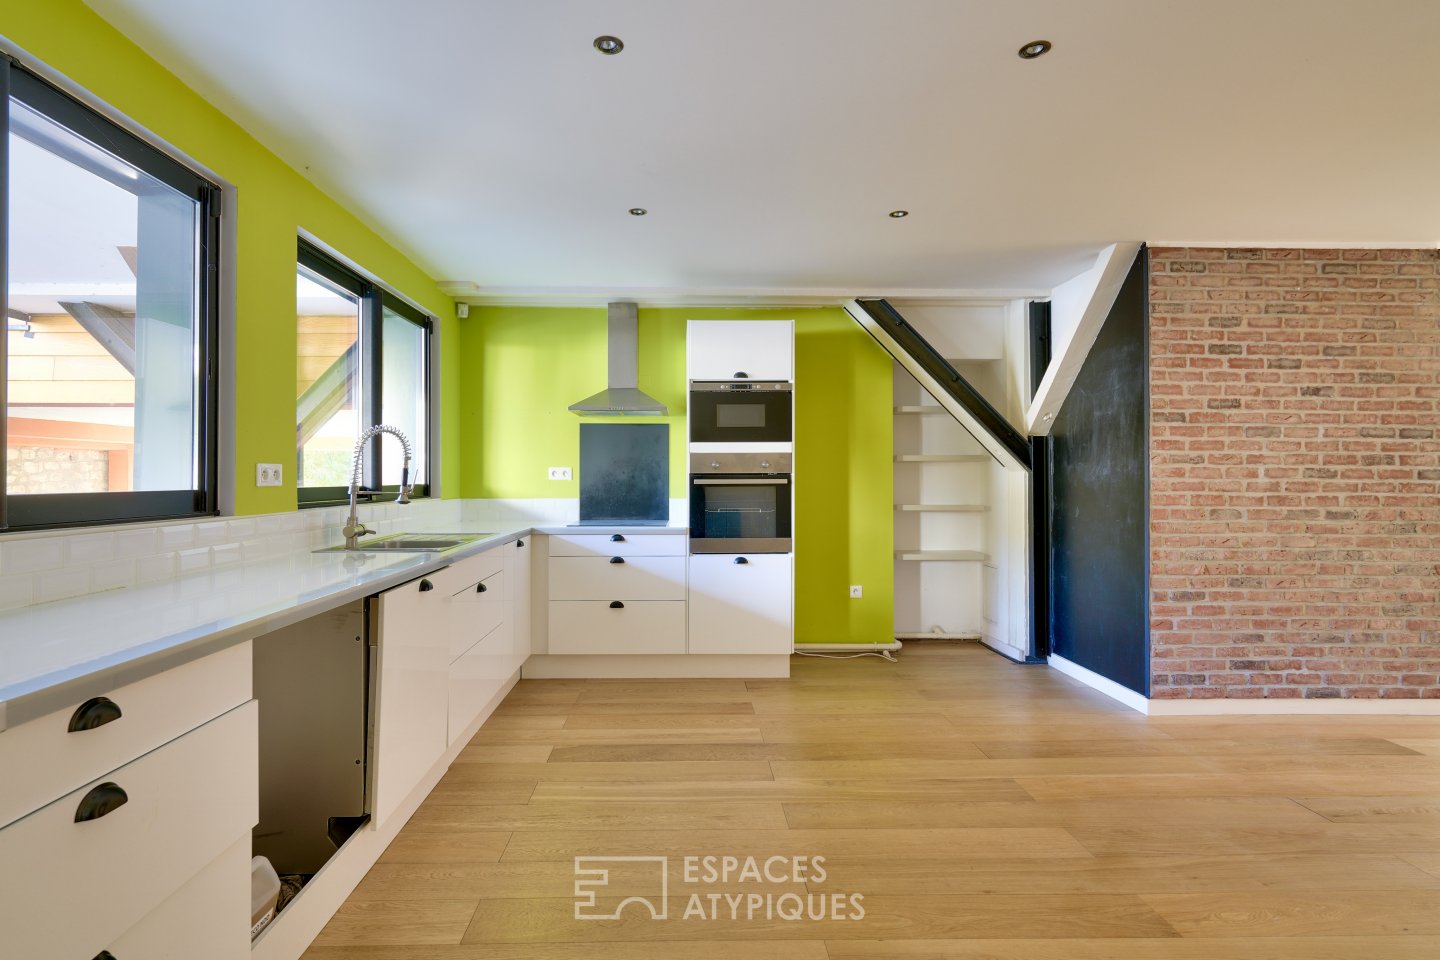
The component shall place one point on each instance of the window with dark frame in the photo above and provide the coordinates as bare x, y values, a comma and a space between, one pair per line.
363, 357
109, 264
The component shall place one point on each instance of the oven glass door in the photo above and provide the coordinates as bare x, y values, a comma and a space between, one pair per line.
740, 417
730, 512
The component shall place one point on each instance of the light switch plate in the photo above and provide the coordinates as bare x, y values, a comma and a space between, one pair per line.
268, 474
559, 473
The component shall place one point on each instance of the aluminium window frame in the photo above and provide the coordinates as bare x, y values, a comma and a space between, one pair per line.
59, 510
374, 299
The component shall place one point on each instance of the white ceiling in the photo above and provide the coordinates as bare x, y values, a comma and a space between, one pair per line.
769, 138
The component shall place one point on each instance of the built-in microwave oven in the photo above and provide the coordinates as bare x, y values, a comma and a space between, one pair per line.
740, 411
740, 502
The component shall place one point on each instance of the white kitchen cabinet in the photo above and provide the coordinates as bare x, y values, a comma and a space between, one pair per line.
740, 349
475, 610
617, 626
741, 603
56, 753
208, 917
517, 604
617, 545
617, 578
82, 870
411, 628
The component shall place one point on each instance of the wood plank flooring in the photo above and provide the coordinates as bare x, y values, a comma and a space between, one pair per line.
983, 810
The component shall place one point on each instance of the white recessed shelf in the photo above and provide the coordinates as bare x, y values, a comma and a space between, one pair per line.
943, 507
942, 458
928, 409
969, 555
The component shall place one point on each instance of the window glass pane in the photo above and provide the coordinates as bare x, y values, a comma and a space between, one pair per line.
327, 383
103, 320
403, 402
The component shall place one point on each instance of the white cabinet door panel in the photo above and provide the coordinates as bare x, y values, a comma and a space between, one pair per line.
137, 718
146, 829
637, 626
412, 630
632, 578
720, 349
741, 607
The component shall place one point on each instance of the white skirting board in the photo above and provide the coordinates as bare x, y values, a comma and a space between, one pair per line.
1233, 707
1108, 687
677, 666
293, 930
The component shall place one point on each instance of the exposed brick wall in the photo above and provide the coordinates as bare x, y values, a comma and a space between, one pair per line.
1295, 473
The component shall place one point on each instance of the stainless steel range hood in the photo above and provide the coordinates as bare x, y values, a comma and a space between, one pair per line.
622, 396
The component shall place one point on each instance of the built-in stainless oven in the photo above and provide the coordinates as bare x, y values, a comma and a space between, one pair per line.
740, 411
740, 502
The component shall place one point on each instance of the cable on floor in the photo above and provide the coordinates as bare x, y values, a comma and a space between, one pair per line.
882, 654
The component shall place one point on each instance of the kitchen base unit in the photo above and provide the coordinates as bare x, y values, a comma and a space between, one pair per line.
613, 603
741, 603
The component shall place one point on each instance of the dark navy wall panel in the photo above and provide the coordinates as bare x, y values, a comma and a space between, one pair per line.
1100, 512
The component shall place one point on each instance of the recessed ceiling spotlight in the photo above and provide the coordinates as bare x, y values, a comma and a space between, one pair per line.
638, 211
609, 45
898, 214
1031, 50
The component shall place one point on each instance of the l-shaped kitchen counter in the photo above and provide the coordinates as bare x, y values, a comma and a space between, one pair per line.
53, 655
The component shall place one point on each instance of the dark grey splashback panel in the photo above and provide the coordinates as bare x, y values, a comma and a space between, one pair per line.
624, 472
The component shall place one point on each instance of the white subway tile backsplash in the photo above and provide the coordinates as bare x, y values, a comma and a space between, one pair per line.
35, 568
161, 566
62, 583
112, 574
89, 548
176, 536
193, 560
136, 542
17, 591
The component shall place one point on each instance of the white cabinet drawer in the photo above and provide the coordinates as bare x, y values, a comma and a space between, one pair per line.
475, 610
207, 917
597, 626
42, 760
741, 607
629, 545
476, 677
482, 565
632, 578
89, 882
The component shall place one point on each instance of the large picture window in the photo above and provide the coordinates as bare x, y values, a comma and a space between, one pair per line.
109, 253
363, 359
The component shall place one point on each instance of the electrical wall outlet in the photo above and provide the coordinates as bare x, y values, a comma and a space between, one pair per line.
559, 473
267, 474
856, 592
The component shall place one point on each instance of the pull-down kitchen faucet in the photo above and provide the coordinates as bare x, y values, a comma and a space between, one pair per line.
354, 529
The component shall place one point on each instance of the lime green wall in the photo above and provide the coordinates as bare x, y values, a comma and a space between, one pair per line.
273, 203
523, 366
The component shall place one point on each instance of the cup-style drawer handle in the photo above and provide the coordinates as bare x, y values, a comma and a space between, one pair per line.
426, 585
741, 560
741, 375
95, 712
616, 605
100, 801
617, 559
617, 538
104, 955
519, 543
481, 588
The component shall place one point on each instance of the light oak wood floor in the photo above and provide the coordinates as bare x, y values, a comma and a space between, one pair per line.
982, 809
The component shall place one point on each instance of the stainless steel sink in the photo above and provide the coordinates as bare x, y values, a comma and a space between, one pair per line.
413, 543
